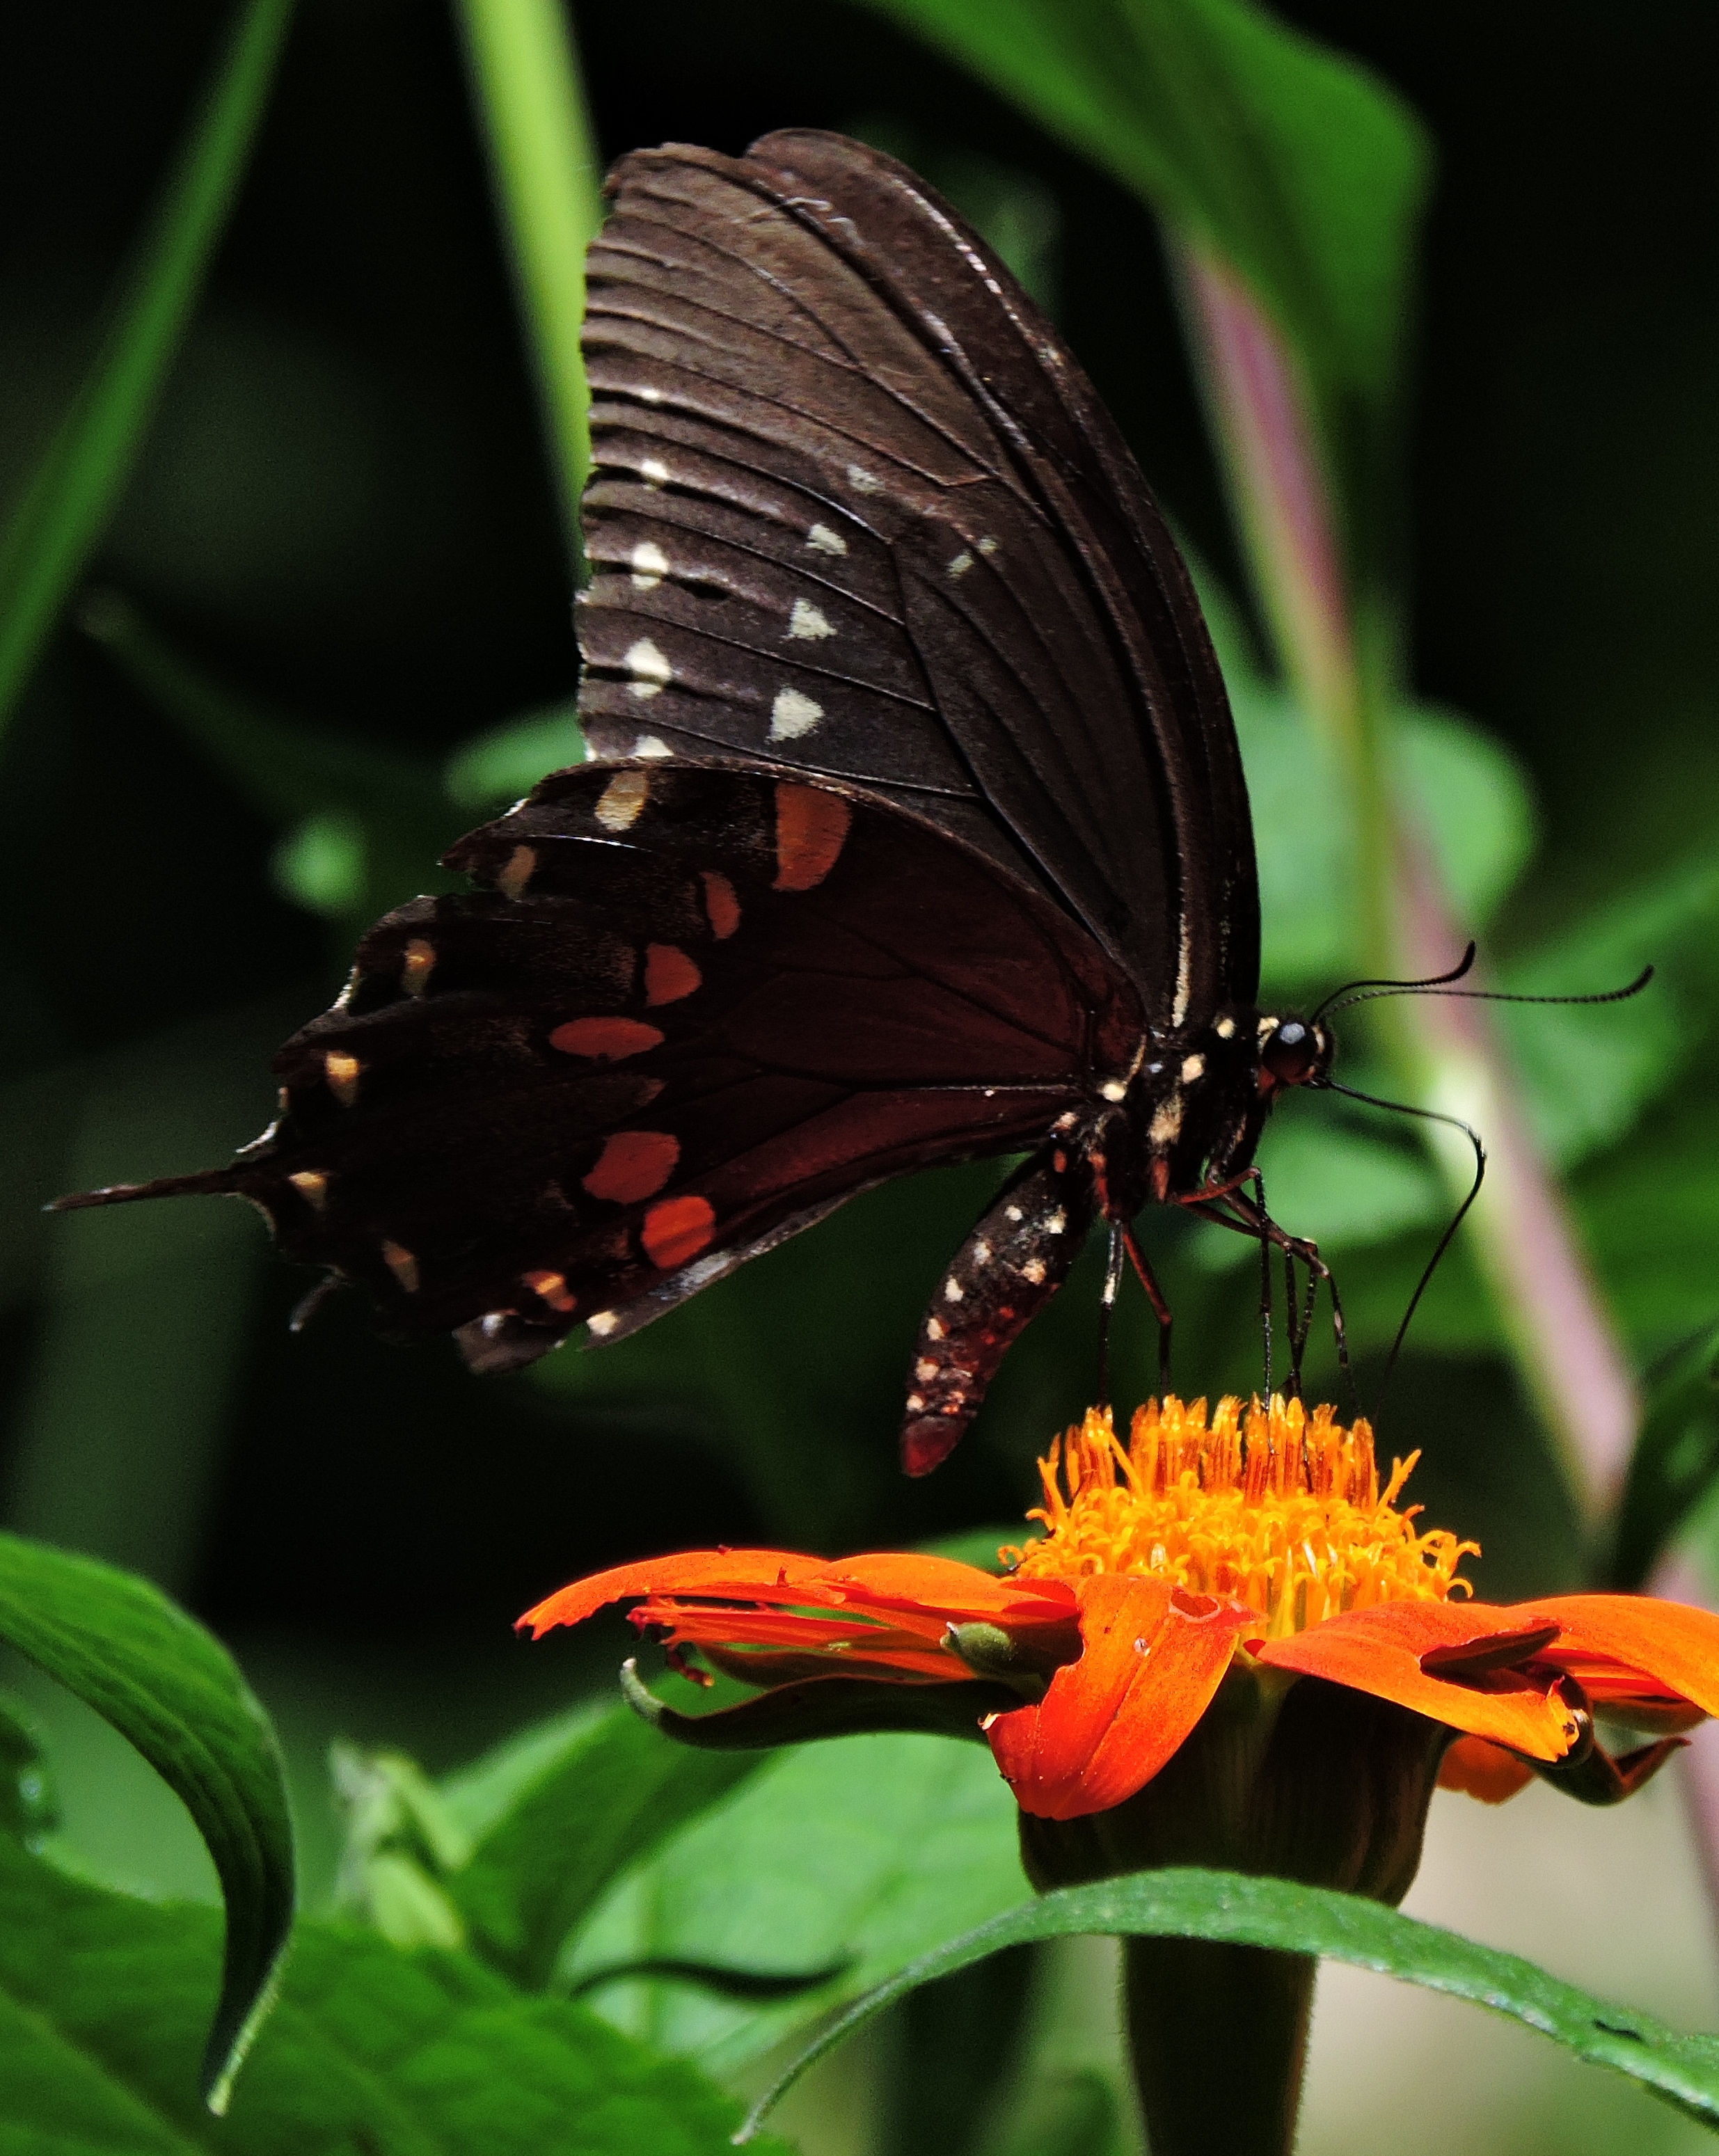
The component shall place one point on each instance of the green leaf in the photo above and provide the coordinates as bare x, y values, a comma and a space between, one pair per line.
1272, 1912
493, 769
371, 2049
169, 1688
362, 826
611, 1794
1674, 1465
859, 1853
1307, 173
544, 159
66, 503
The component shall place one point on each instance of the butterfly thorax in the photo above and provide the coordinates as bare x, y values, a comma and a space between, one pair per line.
1190, 1116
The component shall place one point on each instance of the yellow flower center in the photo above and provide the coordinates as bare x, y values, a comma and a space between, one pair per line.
1278, 1508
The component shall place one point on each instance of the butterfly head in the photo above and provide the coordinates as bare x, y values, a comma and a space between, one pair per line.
1293, 1052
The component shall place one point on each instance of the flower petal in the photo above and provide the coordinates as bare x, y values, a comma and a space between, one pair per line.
747, 1575
1483, 1770
1152, 1655
1646, 1649
1379, 1651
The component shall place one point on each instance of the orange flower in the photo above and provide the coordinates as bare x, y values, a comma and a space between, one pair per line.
1256, 1550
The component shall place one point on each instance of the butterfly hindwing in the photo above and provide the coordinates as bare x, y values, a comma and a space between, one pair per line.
693, 1007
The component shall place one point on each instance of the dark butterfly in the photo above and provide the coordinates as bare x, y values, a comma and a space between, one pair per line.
914, 831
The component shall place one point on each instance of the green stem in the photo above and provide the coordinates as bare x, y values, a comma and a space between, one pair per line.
524, 73
1218, 2036
69, 498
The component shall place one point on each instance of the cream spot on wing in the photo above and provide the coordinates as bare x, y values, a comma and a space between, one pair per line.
418, 964
1055, 1223
603, 1321
1167, 1124
826, 541
924, 1370
1066, 1122
1033, 1271
981, 1254
647, 392
809, 620
401, 1263
1114, 1089
648, 668
915, 1401
516, 871
962, 563
1267, 1027
622, 800
1012, 1213
653, 747
654, 473
341, 1072
863, 481
650, 565
988, 544
793, 715
935, 1329
1184, 975
1192, 1067
1225, 1028
953, 1291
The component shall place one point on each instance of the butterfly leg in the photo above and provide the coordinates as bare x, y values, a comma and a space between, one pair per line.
1107, 1310
1015, 1260
1159, 1300
1248, 1217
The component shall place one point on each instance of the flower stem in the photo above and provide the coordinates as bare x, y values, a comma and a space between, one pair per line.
1217, 2036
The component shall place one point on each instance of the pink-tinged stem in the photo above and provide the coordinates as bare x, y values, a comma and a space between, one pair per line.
1269, 435
1565, 1343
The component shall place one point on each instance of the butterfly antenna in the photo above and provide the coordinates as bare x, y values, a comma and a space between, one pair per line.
1353, 991
1455, 1123
1368, 991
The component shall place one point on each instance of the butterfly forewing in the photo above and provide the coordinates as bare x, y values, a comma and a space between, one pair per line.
858, 512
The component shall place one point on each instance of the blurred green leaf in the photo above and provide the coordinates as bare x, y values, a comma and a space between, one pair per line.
1674, 1465
401, 1841
371, 2049
1650, 1212
1075, 2114
525, 71
362, 827
29, 1807
494, 769
1272, 1912
1470, 797
1589, 1071
861, 1851
1304, 170
175, 1694
69, 498
613, 1793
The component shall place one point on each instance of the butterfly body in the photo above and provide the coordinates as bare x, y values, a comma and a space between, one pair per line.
915, 828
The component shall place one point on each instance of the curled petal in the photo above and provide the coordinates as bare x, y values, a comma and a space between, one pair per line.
1152, 1655
1380, 1651
1483, 1770
1629, 1649
747, 1575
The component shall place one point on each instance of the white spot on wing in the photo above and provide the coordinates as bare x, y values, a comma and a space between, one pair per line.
826, 541
863, 481
935, 1328
652, 745
644, 660
654, 473
601, 1322
809, 620
1192, 1067
650, 565
988, 544
1114, 1089
953, 1291
1167, 1124
1033, 1271
1184, 975
793, 715
962, 563
1225, 1028
647, 393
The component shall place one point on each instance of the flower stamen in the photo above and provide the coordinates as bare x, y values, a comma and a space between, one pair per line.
1274, 1507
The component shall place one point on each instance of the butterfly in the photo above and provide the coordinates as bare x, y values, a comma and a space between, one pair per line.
913, 829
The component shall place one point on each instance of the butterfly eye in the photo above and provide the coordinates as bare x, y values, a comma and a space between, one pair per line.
1297, 1052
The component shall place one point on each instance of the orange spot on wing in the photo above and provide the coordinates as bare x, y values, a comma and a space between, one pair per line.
607, 1040
676, 1231
634, 1164
811, 830
669, 974
722, 905
552, 1289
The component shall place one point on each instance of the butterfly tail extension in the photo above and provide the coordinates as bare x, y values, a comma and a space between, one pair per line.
1009, 1267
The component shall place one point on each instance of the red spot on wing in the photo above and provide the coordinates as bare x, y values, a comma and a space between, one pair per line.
669, 974
676, 1231
634, 1164
606, 1039
722, 905
811, 829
